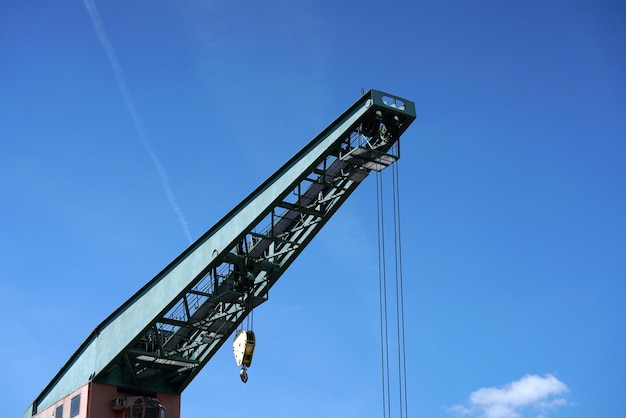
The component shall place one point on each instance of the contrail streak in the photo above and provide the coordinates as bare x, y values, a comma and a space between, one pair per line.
121, 84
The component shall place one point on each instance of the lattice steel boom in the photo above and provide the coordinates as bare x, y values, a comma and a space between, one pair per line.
158, 341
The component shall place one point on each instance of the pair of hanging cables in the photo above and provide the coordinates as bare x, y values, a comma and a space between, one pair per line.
389, 325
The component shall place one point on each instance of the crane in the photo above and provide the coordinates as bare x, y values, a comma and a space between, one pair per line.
138, 361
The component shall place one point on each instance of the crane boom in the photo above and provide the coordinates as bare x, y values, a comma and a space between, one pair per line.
160, 339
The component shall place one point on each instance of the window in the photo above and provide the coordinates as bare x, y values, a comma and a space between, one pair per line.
134, 412
58, 413
74, 406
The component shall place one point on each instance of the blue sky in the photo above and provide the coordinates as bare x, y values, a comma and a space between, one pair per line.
115, 151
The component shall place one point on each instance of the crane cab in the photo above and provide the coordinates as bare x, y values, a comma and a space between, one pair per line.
98, 400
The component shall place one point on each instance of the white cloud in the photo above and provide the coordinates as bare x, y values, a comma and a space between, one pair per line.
533, 395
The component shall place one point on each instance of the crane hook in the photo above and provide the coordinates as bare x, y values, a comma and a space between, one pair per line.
243, 374
243, 349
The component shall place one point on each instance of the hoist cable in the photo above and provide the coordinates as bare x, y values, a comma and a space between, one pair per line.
382, 282
397, 289
400, 385
250, 320
402, 375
